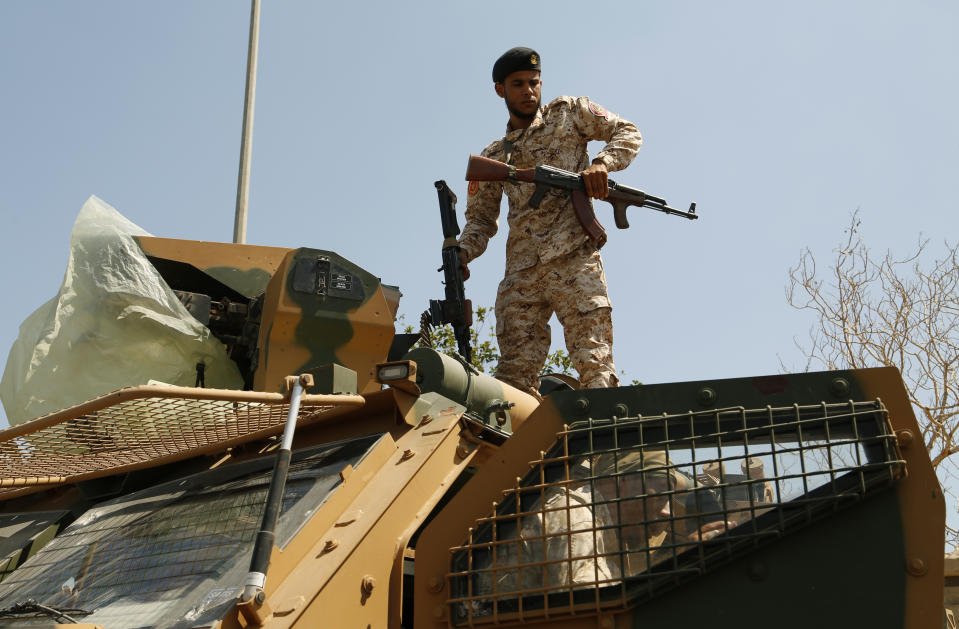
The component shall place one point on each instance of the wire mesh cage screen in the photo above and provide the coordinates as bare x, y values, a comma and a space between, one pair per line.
143, 426
618, 511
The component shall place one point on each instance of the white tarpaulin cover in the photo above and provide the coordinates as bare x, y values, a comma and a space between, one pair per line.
114, 323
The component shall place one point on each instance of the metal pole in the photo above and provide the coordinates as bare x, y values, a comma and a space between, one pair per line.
246, 142
263, 546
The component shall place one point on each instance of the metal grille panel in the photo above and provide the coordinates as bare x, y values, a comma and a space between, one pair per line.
142, 427
174, 555
621, 510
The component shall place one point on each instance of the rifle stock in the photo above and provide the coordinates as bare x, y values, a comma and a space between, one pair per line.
481, 168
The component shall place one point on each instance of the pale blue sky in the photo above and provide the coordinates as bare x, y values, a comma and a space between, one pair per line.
777, 119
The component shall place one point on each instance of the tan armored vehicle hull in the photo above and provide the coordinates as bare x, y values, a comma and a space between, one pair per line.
421, 493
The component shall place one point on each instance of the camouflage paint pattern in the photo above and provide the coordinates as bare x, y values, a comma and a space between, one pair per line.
302, 328
875, 563
247, 269
298, 330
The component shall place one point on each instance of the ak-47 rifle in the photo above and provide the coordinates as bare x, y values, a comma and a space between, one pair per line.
620, 196
456, 309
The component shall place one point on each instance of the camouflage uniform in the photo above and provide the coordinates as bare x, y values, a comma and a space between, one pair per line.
570, 532
551, 264
644, 525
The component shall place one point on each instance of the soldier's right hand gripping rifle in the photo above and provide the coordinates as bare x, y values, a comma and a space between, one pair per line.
456, 309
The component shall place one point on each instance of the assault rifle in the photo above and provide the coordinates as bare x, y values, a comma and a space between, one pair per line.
456, 309
545, 177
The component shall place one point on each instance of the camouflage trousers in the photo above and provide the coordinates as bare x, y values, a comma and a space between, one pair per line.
574, 287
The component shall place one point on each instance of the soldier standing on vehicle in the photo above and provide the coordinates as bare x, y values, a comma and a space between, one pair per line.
552, 265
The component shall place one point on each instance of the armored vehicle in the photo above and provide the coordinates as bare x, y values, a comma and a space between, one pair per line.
418, 492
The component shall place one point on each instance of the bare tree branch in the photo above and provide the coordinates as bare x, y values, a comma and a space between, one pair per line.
899, 312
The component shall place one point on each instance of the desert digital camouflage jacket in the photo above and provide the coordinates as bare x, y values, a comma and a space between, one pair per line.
557, 137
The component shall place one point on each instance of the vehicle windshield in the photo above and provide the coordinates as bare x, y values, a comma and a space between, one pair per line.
174, 555
619, 510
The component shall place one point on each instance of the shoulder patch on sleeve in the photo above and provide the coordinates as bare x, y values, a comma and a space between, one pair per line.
472, 188
598, 110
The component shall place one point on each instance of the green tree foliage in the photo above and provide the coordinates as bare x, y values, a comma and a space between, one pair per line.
485, 349
483, 342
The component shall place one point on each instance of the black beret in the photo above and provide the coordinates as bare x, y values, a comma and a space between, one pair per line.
514, 60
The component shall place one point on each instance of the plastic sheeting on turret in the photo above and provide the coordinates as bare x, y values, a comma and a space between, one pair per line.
114, 323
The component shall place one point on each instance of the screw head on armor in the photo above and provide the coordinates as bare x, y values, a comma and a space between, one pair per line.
514, 60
